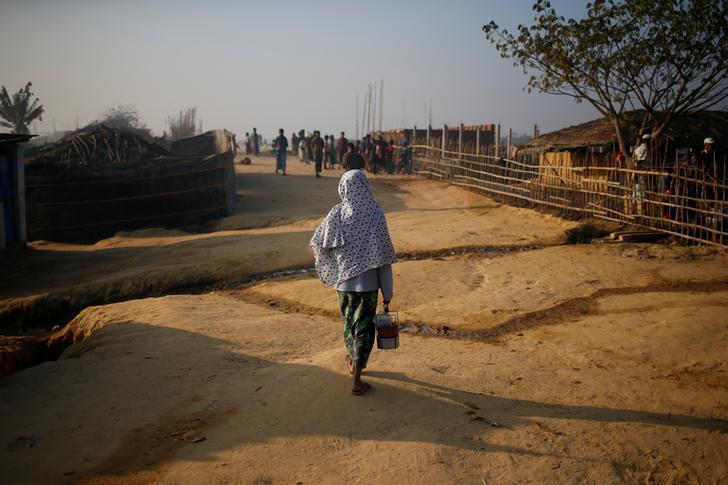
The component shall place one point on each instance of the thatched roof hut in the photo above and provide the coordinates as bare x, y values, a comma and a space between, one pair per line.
688, 131
97, 182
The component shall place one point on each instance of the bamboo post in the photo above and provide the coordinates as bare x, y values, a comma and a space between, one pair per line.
460, 139
477, 141
508, 143
413, 141
429, 132
497, 141
444, 140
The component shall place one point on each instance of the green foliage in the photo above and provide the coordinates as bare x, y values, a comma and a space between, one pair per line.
666, 57
19, 111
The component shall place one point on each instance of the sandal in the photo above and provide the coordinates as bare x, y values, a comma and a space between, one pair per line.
363, 389
349, 364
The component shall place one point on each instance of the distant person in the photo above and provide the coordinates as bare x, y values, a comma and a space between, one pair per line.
708, 160
389, 157
317, 146
715, 172
341, 147
294, 144
326, 151
281, 144
639, 158
309, 148
248, 144
302, 149
256, 142
332, 152
640, 154
354, 254
369, 153
406, 159
380, 153
352, 160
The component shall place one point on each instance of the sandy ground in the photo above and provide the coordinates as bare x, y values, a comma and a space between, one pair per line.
273, 222
626, 395
601, 363
489, 293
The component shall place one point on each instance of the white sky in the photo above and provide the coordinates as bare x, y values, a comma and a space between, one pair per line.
273, 64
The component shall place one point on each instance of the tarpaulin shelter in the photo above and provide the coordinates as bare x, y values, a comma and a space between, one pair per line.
98, 182
12, 189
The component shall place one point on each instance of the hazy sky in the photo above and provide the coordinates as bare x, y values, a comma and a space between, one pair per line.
291, 64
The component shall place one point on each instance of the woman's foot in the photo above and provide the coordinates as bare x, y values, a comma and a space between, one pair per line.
357, 386
361, 389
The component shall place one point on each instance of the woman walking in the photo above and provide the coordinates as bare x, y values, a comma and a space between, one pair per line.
354, 254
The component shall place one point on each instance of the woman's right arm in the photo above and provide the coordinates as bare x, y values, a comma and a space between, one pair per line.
386, 282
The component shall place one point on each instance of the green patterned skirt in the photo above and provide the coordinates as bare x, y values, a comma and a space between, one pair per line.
358, 310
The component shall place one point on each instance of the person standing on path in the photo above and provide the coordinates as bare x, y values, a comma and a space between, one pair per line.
281, 143
389, 157
309, 149
332, 152
352, 160
317, 145
294, 144
248, 144
326, 151
341, 147
381, 152
256, 142
354, 254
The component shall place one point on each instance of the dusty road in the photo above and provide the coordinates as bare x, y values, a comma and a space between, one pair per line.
269, 232
602, 363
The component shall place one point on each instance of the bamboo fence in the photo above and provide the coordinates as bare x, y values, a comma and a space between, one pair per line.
677, 199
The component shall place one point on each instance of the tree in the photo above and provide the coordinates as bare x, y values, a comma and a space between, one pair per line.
666, 58
20, 110
184, 124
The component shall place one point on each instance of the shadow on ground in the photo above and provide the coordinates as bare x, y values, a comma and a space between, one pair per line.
146, 387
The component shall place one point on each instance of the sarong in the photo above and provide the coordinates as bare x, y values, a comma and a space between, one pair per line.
358, 310
281, 161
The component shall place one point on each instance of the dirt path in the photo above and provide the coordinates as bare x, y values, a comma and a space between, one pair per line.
588, 364
625, 395
269, 231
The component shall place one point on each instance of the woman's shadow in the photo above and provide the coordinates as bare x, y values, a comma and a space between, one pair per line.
189, 391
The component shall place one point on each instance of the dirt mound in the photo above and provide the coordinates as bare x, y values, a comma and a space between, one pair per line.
587, 231
21, 352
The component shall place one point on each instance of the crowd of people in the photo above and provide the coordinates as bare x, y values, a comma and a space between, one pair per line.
373, 154
697, 175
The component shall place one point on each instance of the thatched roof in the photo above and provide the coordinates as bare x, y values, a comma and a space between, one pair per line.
95, 147
688, 131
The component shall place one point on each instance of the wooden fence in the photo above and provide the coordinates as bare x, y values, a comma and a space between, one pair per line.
680, 200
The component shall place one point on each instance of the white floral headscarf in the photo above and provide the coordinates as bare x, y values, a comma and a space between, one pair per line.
353, 238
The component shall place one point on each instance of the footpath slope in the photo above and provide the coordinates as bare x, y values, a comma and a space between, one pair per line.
588, 364
204, 388
269, 232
